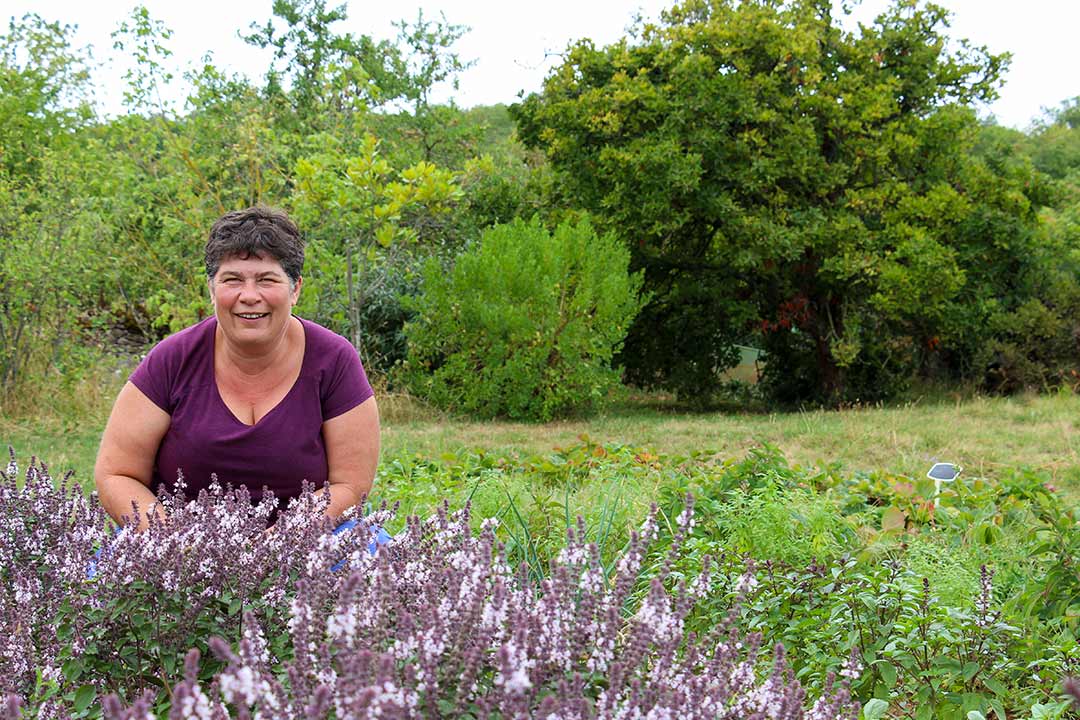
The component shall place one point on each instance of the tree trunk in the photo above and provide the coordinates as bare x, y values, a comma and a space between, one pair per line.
827, 324
354, 306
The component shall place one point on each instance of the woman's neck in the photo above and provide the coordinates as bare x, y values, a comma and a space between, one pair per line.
252, 362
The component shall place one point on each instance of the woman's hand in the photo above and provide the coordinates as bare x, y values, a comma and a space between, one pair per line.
352, 454
125, 460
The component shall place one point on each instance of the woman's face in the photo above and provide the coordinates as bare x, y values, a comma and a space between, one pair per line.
253, 299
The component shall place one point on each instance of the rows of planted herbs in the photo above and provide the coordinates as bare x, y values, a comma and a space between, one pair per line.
596, 582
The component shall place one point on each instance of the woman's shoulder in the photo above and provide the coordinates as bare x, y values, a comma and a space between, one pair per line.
190, 340
178, 362
335, 364
330, 356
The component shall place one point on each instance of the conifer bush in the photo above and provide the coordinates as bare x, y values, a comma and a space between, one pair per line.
525, 324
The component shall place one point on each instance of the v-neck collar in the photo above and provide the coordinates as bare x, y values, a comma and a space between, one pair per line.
217, 390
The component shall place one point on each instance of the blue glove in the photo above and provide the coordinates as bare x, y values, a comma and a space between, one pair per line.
379, 537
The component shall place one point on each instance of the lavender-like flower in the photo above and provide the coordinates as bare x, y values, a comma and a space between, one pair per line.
1071, 686
477, 638
984, 618
49, 531
435, 624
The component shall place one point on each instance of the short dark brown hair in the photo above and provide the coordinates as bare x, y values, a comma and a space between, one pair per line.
256, 231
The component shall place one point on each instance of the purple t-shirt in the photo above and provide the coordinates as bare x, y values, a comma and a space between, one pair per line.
277, 453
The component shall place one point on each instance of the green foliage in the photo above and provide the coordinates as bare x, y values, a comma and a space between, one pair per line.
362, 215
497, 192
794, 527
525, 324
898, 579
1035, 337
320, 79
1055, 144
1036, 345
604, 487
440, 132
138, 638
44, 89
48, 260
144, 38
828, 204
958, 602
840, 209
49, 231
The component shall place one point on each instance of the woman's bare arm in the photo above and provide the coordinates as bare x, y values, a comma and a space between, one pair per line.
125, 460
352, 454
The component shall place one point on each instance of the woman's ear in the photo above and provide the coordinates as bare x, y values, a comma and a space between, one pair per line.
296, 289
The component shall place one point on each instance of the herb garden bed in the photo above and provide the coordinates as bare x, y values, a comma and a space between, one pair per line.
873, 600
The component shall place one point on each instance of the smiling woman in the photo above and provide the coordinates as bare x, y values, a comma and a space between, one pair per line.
253, 395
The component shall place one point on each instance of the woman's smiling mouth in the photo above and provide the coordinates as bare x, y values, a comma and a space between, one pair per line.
251, 316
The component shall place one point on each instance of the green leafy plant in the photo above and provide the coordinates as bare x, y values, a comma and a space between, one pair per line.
526, 323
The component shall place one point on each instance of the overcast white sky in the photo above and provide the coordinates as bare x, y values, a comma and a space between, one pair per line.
512, 42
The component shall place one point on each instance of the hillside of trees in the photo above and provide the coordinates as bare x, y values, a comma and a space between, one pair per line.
828, 196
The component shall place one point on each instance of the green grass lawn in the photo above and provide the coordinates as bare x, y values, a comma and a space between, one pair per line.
985, 435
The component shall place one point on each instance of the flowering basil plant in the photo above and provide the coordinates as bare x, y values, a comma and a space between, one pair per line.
208, 614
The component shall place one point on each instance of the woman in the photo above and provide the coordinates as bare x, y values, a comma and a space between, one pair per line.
252, 394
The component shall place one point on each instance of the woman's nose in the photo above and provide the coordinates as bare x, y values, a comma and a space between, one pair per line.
249, 292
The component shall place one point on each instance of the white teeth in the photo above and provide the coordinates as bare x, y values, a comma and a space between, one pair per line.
252, 316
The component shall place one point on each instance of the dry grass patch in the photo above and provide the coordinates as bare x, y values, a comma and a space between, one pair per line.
981, 434
984, 435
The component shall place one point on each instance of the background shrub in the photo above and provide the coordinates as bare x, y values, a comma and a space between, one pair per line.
1037, 345
525, 324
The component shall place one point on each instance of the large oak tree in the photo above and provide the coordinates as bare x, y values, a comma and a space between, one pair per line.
782, 178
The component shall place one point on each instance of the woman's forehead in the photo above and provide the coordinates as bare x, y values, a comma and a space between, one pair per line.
250, 263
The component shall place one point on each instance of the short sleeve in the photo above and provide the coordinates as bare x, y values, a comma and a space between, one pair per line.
345, 385
155, 377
